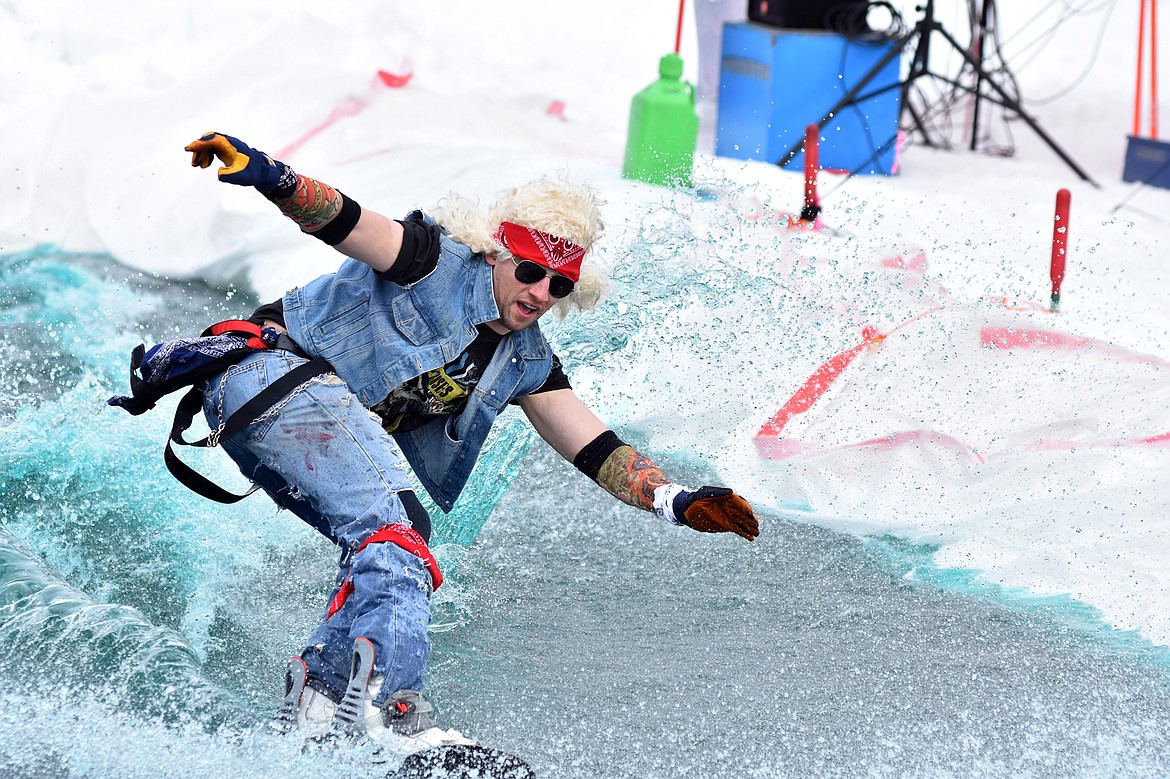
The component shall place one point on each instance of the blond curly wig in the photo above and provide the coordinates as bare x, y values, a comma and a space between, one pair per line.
560, 205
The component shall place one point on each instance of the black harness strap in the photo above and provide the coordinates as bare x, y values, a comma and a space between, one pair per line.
245, 415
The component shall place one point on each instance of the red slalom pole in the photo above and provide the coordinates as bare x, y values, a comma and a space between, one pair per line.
678, 33
1059, 245
1137, 93
1154, 69
812, 163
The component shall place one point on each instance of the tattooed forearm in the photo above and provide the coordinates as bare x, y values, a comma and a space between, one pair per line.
630, 477
311, 205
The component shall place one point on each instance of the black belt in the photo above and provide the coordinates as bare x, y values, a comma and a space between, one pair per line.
285, 343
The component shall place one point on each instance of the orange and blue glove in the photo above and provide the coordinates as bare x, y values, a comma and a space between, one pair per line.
707, 509
242, 164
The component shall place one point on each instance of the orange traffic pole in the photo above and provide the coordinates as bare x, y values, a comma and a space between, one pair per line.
1137, 95
1154, 69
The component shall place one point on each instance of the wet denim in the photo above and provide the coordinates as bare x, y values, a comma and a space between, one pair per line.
377, 335
323, 456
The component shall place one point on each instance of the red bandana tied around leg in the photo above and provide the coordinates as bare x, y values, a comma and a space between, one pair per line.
551, 251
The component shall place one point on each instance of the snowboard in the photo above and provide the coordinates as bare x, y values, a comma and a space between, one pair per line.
463, 761
449, 761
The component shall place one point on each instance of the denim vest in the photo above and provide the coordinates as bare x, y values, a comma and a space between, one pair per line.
377, 335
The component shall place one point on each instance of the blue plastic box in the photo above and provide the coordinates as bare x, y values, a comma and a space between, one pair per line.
775, 82
1148, 161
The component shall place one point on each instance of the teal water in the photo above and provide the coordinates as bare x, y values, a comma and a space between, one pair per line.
143, 630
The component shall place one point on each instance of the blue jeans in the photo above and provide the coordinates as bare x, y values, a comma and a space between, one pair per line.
319, 453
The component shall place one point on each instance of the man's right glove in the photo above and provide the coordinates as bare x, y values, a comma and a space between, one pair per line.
707, 509
242, 164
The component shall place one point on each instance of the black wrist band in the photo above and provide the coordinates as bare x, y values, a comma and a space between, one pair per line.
342, 225
594, 454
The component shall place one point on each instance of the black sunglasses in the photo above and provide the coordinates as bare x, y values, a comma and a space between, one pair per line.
528, 272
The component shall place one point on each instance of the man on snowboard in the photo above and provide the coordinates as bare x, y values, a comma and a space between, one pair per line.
430, 327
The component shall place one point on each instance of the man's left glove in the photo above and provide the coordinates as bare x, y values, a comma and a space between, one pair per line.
242, 164
707, 509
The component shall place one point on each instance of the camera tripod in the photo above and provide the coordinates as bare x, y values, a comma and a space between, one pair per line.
921, 35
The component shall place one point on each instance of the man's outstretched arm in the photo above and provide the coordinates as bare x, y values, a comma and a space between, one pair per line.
317, 208
580, 437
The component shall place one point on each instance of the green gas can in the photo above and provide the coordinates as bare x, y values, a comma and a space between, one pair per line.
664, 128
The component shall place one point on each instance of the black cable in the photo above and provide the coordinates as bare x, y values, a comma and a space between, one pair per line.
851, 20
995, 65
1088, 66
1070, 11
862, 119
934, 111
879, 151
848, 20
896, 29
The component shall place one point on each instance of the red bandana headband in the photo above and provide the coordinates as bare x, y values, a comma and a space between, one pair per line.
553, 252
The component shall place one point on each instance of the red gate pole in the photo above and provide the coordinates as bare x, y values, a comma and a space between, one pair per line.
1137, 93
1153, 69
812, 163
1059, 245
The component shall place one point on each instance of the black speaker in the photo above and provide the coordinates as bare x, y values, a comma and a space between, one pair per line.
846, 17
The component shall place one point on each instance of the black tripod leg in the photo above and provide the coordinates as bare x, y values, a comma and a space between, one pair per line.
919, 122
983, 16
851, 95
1007, 101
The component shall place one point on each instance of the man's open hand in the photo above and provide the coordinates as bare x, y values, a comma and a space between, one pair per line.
707, 509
